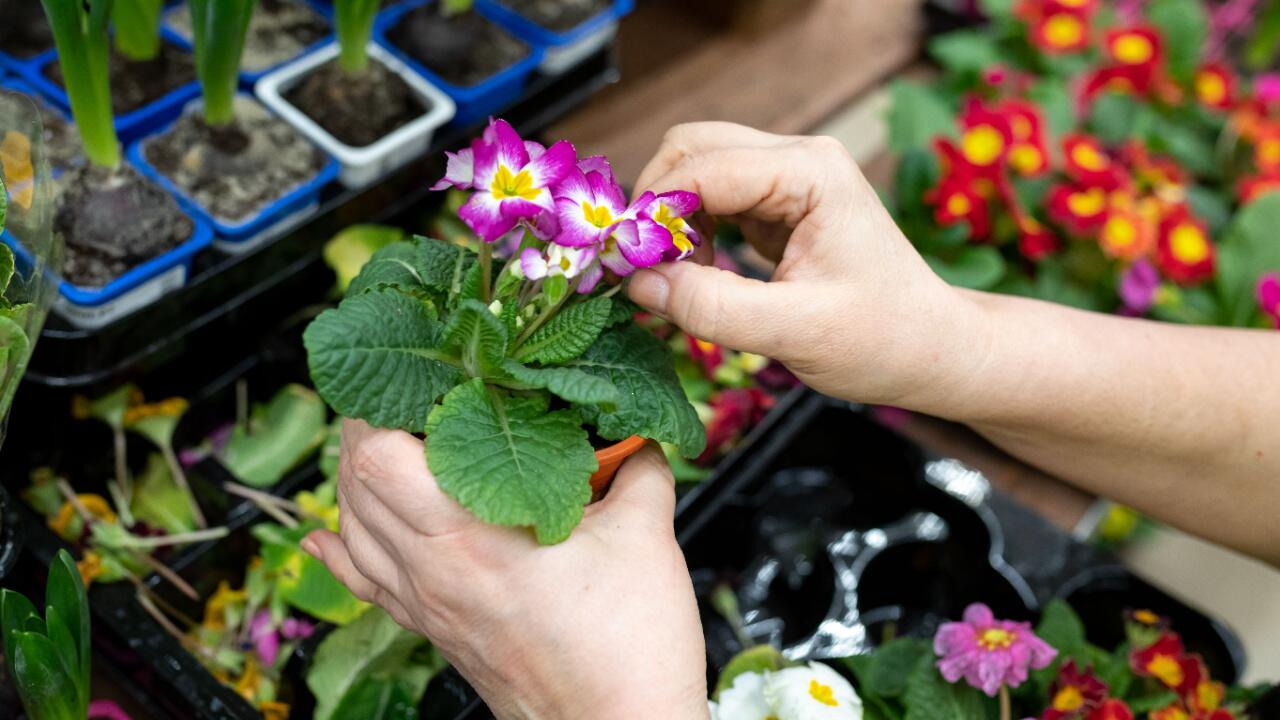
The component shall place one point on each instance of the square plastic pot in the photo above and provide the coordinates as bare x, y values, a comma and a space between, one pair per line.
361, 166
475, 102
129, 126
562, 50
240, 236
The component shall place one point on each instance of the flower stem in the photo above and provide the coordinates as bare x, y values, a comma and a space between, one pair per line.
180, 479
546, 315
1006, 709
486, 273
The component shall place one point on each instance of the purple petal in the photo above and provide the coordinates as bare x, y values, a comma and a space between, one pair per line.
460, 171
574, 186
544, 226
1269, 293
642, 242
575, 230
553, 165
596, 163
591, 277
511, 149
106, 710
532, 264
979, 615
519, 208
607, 193
485, 163
954, 637
295, 629
485, 216
646, 205
682, 203
535, 149
954, 668
611, 257
266, 641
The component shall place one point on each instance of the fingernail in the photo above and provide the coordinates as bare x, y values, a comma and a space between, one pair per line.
311, 547
650, 289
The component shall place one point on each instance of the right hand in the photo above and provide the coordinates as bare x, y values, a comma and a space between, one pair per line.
852, 309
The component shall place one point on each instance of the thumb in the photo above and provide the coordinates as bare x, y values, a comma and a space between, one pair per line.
712, 304
644, 484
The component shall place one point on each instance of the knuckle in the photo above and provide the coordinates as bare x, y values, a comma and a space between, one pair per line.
367, 458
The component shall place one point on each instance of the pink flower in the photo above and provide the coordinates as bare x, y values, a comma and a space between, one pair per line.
987, 652
1267, 87
511, 182
1138, 286
295, 629
1269, 296
571, 262
263, 636
670, 210
106, 710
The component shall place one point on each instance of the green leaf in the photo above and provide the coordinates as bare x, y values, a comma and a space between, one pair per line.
379, 699
302, 581
568, 334
965, 51
477, 337
623, 311
279, 436
159, 501
509, 461
1211, 207
1061, 628
917, 173
997, 9
1114, 116
15, 351
1248, 250
1262, 47
651, 403
44, 683
887, 670
977, 267
758, 659
1184, 144
15, 611
376, 358
350, 250
6, 254
64, 644
371, 648
1148, 703
422, 267
65, 594
569, 384
929, 697
1183, 26
471, 287
1059, 109
917, 116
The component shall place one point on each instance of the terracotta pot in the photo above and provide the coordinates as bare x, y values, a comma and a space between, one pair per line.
610, 460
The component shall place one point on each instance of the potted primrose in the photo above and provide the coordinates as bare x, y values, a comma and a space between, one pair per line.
279, 31
482, 66
126, 241
246, 172
356, 100
530, 379
151, 76
570, 31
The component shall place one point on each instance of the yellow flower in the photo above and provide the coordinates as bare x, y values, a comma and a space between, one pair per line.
67, 522
90, 567
215, 611
170, 407
273, 710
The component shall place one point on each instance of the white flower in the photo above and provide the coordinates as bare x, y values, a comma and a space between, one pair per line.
745, 700
812, 692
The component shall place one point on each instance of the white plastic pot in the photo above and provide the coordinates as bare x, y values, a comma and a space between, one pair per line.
363, 165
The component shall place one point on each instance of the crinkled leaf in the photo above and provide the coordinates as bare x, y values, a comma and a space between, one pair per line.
421, 266
651, 402
929, 697
622, 311
571, 384
1248, 250
279, 436
350, 250
159, 501
6, 254
15, 351
302, 581
509, 461
375, 357
373, 648
44, 682
885, 672
568, 334
477, 337
1183, 26
469, 287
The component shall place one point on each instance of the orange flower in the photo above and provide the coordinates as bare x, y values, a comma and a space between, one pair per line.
1207, 696
1127, 235
1255, 186
1266, 148
1215, 86
1185, 254
1172, 712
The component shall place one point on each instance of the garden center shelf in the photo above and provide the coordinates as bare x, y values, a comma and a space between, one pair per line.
233, 298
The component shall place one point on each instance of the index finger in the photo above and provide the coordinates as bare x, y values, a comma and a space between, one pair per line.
691, 138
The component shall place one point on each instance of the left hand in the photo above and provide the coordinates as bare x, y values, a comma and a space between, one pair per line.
603, 625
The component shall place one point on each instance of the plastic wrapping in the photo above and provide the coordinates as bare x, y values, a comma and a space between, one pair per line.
29, 219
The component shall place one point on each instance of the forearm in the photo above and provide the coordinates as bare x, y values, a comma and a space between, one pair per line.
1180, 422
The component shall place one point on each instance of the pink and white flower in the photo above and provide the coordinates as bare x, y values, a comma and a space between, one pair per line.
511, 184
989, 653
670, 210
568, 262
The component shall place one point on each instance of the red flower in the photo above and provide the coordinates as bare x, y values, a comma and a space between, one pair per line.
1089, 164
987, 136
957, 200
1107, 79
734, 411
1255, 186
1081, 210
1074, 693
1266, 147
1207, 696
1060, 32
1184, 251
1029, 154
1035, 241
1138, 53
1215, 86
1152, 171
1112, 710
1172, 712
1166, 661
707, 354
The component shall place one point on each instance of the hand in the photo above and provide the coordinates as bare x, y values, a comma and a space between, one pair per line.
852, 309
603, 625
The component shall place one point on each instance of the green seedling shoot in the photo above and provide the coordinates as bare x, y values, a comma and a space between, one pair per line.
137, 28
80, 33
218, 31
455, 7
354, 22
49, 656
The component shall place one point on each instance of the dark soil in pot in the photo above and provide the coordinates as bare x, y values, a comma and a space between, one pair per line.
25, 31
234, 172
112, 221
278, 31
357, 110
464, 49
559, 15
138, 83
61, 141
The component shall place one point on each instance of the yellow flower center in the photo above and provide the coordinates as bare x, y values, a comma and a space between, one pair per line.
1073, 3
676, 226
983, 145
996, 639
1166, 669
1146, 617
1087, 204
1063, 30
705, 346
1188, 244
1211, 88
1208, 695
1089, 157
1120, 232
1026, 158
597, 216
508, 185
823, 693
1269, 151
1068, 698
959, 205
1132, 49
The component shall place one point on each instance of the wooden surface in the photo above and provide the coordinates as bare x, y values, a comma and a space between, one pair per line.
786, 78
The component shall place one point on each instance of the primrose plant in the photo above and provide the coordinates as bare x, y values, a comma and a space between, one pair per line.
80, 34
505, 371
219, 28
